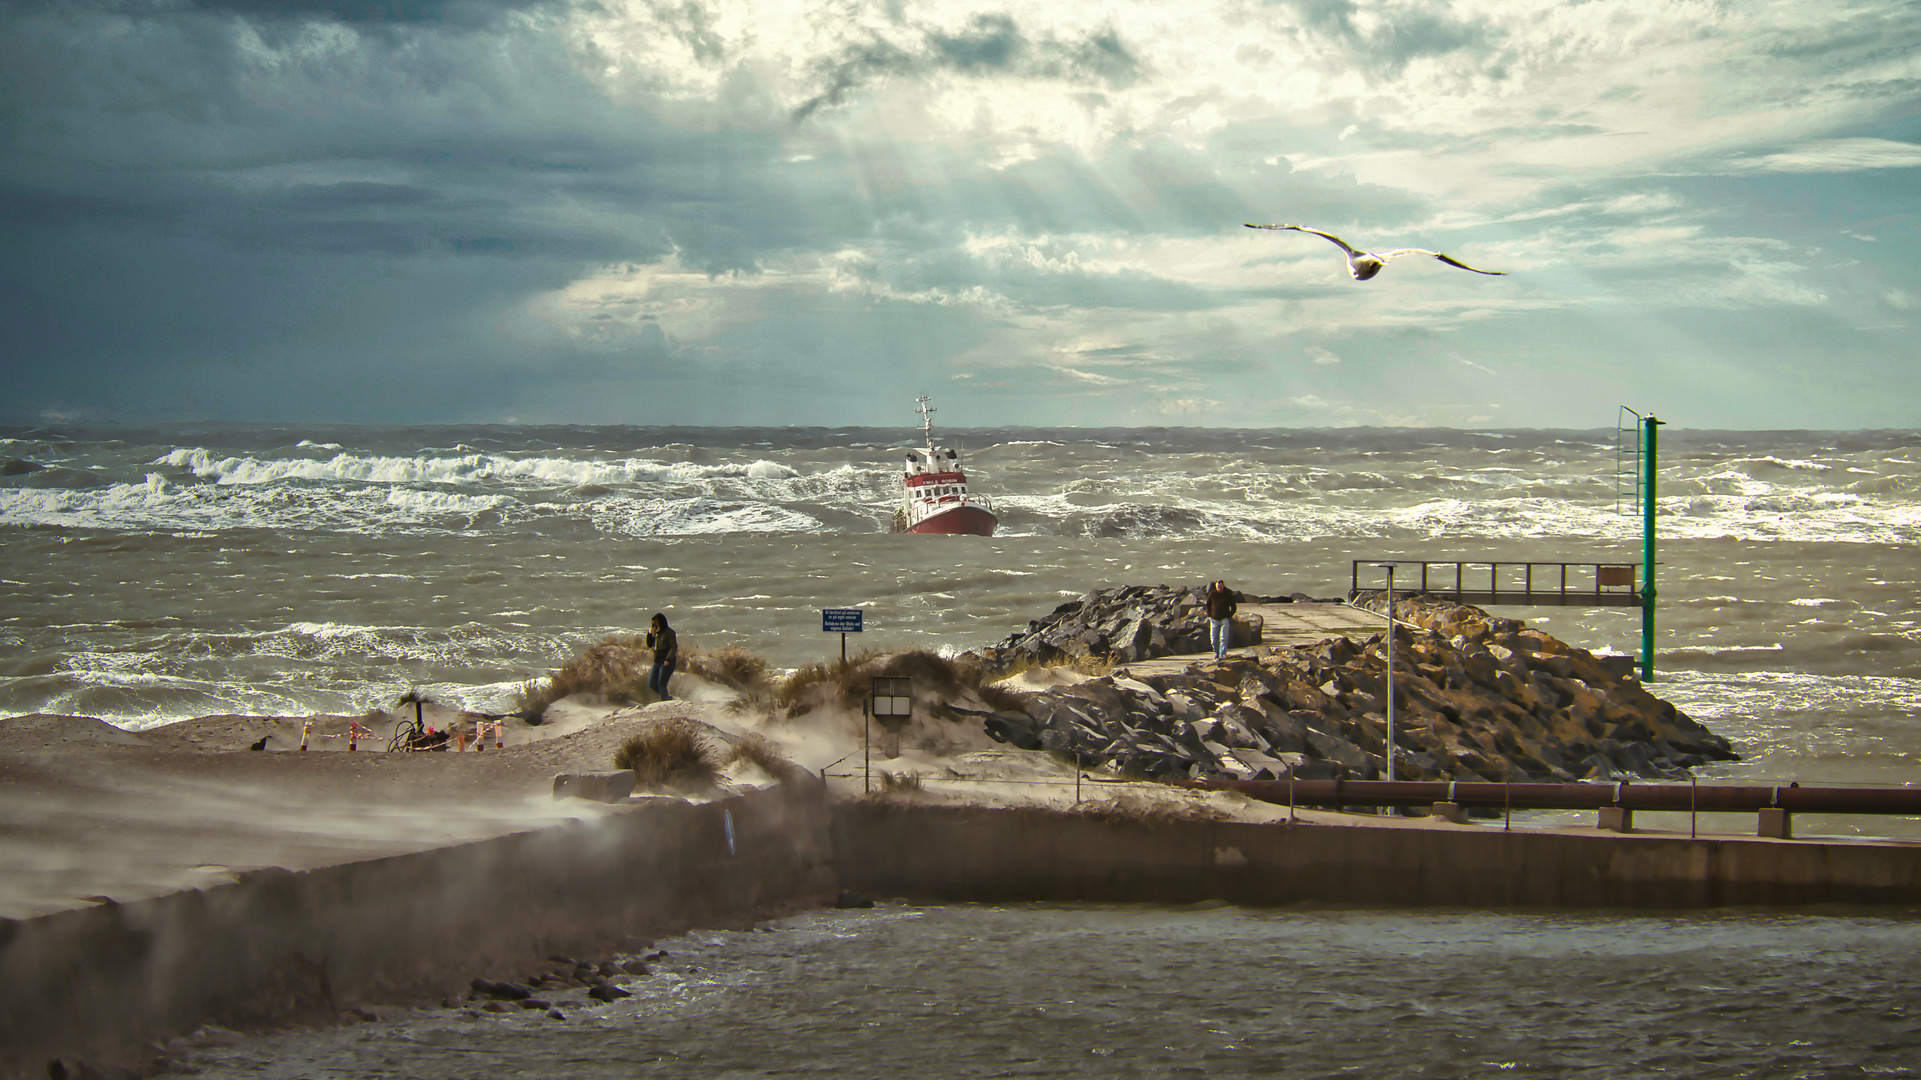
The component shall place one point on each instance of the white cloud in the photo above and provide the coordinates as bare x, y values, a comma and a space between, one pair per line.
1479, 99
1019, 196
1833, 156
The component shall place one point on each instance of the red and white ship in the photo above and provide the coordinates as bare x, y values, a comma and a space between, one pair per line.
934, 495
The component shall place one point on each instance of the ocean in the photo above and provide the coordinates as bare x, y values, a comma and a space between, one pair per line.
159, 573
1086, 992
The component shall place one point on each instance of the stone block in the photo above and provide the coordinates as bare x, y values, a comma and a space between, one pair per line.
1615, 819
1776, 823
609, 787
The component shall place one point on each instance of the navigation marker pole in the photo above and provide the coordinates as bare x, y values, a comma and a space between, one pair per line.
1389, 567
1652, 426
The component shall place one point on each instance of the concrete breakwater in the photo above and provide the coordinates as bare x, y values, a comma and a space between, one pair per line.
102, 984
971, 854
1477, 697
105, 984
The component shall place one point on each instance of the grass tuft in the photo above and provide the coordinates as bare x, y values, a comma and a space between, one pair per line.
616, 670
900, 783
730, 666
761, 752
672, 753
1131, 808
847, 683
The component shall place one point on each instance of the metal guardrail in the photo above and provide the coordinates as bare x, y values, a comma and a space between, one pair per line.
1607, 584
1579, 796
1776, 804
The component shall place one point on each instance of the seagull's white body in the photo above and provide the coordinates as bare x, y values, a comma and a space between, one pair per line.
1365, 264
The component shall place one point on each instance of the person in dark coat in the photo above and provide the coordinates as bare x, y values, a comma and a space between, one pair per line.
1221, 606
666, 646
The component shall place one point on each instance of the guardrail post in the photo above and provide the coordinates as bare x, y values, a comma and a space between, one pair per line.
1775, 823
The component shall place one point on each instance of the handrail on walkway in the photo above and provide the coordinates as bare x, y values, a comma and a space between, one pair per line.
1608, 584
1577, 796
1615, 801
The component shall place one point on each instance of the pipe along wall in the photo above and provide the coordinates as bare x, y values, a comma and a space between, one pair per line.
101, 984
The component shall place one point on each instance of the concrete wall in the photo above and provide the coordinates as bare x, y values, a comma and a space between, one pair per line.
96, 984
938, 853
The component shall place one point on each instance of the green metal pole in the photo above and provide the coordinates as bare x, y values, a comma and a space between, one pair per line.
1647, 551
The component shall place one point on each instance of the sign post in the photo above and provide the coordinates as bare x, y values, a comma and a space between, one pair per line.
842, 621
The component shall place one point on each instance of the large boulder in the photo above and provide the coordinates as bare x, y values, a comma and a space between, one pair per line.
1476, 697
1123, 626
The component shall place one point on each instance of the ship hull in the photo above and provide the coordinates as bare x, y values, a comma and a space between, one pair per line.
960, 521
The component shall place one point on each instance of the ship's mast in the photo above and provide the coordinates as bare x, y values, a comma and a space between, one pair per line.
927, 421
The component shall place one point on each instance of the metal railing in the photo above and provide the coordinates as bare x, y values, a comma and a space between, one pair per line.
1596, 584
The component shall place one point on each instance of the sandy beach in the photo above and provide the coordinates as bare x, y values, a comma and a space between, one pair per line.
95, 813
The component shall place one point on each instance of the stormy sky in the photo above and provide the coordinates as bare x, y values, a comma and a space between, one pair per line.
808, 213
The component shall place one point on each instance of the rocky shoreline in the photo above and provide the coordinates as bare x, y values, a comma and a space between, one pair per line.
1123, 626
1477, 697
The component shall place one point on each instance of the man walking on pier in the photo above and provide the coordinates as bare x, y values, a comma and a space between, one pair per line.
1220, 617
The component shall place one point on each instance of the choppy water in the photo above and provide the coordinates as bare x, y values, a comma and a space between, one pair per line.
159, 573
1102, 992
163, 573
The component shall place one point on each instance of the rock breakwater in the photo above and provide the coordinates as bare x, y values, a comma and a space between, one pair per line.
1125, 625
1477, 697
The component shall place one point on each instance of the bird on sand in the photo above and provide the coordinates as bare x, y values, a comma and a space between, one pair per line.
1365, 264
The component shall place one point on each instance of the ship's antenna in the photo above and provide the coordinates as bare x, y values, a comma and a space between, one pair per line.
927, 420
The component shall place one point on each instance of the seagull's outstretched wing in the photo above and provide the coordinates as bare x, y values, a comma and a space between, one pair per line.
1448, 259
1338, 242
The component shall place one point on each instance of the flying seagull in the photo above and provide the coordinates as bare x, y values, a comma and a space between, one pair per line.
1365, 264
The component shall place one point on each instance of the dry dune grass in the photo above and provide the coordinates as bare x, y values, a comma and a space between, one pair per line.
672, 753
616, 670
686, 754
845, 684
761, 752
1086, 665
1131, 808
730, 666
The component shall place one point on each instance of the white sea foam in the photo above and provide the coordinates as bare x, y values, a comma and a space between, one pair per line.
699, 517
470, 468
665, 515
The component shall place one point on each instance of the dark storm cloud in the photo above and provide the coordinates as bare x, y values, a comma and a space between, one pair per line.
486, 144
1402, 34
466, 12
990, 45
358, 213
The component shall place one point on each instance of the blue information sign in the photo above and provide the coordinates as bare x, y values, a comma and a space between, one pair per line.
840, 620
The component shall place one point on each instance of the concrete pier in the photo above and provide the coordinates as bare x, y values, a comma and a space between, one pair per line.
952, 853
100, 984
103, 983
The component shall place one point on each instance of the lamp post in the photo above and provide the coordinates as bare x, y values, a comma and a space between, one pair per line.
1389, 567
